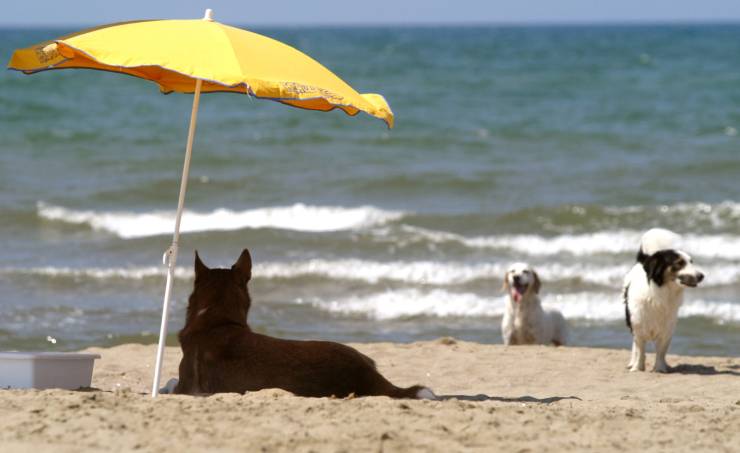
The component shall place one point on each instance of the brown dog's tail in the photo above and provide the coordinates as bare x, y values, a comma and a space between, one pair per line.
416, 392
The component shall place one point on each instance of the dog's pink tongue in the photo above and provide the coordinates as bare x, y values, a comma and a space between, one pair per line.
516, 295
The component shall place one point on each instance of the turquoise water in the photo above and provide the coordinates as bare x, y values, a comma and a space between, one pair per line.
557, 146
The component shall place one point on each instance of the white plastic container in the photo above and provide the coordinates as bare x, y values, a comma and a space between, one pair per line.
46, 370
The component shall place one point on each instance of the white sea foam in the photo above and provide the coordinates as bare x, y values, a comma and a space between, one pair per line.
297, 217
722, 246
417, 272
433, 273
438, 273
97, 273
301, 217
371, 272
411, 302
716, 214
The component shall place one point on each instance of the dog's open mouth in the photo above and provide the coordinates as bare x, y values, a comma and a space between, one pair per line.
689, 281
518, 290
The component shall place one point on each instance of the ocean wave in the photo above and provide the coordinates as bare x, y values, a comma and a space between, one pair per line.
716, 215
411, 302
437, 302
433, 273
437, 273
683, 216
723, 246
97, 273
418, 272
298, 217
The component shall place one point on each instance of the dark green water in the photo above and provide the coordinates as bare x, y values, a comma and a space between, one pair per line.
557, 146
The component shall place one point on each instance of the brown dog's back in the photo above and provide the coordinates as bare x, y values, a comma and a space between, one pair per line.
221, 353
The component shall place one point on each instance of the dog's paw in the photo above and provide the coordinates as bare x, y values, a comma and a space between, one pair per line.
169, 387
426, 394
661, 369
634, 368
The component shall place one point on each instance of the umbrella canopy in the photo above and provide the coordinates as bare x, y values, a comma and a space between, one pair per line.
194, 56
176, 53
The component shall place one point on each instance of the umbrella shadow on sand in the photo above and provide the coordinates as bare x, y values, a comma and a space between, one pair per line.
689, 368
521, 399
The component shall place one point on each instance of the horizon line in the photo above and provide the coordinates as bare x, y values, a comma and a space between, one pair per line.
370, 24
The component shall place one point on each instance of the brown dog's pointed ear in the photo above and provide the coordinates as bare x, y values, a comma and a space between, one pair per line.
200, 268
244, 265
536, 285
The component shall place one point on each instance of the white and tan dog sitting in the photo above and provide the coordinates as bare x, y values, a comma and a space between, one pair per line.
525, 322
653, 292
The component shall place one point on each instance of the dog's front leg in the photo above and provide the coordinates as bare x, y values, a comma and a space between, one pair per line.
507, 330
634, 356
510, 339
661, 349
638, 352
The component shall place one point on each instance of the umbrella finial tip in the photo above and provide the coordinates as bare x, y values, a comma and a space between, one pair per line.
208, 15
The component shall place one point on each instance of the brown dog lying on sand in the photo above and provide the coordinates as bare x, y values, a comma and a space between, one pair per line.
222, 354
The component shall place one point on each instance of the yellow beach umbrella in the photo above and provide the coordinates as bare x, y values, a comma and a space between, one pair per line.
194, 56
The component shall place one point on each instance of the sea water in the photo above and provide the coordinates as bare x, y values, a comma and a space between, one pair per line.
557, 146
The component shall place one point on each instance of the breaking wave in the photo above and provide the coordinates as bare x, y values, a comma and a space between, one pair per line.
95, 273
432, 273
717, 215
298, 217
318, 219
407, 303
722, 246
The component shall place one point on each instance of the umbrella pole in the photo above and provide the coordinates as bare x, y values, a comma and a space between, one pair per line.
170, 255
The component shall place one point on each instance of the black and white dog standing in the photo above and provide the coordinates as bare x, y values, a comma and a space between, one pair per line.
653, 292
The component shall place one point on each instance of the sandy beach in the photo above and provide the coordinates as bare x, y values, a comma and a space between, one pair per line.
554, 138
528, 398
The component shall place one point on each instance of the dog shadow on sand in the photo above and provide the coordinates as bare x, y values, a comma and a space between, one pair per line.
504, 399
690, 368
478, 397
